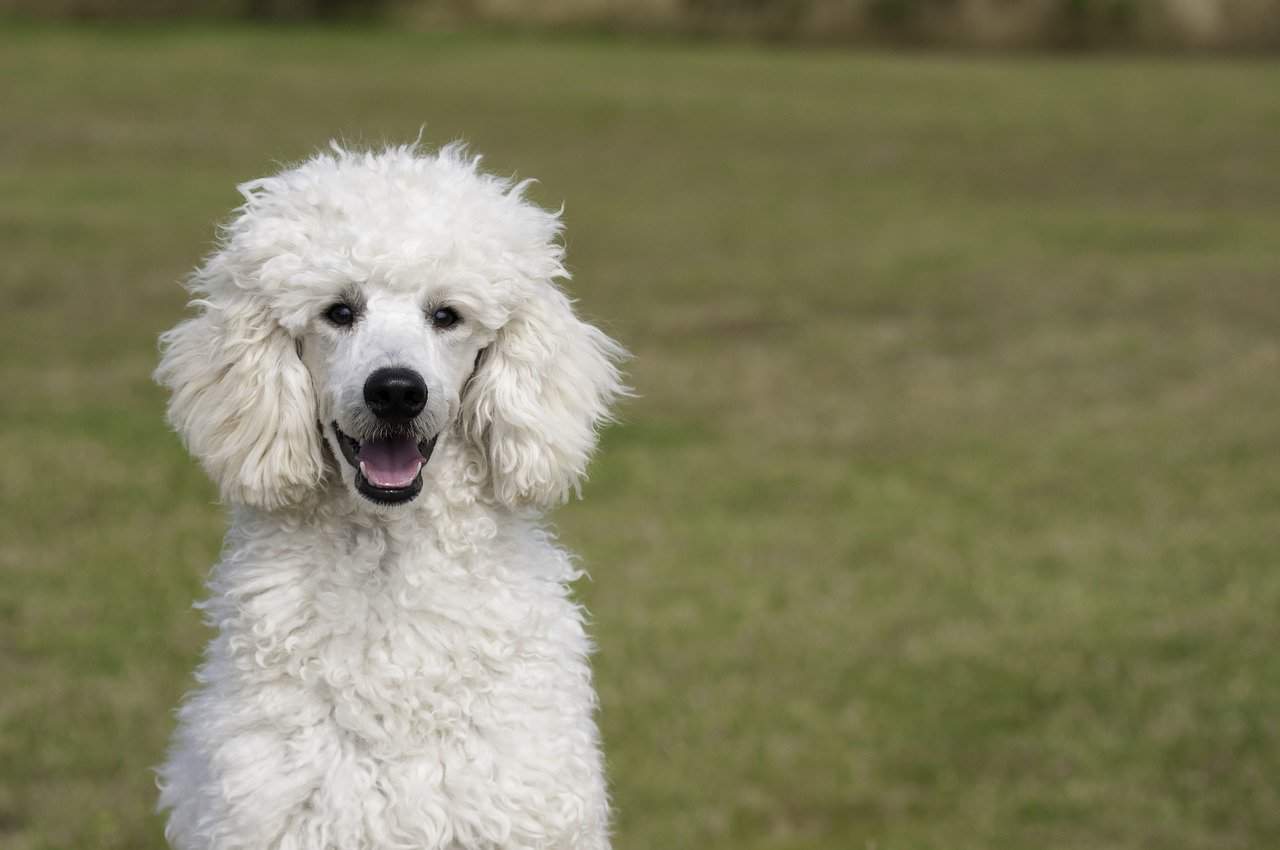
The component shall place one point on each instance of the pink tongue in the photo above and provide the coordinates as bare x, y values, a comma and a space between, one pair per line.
392, 462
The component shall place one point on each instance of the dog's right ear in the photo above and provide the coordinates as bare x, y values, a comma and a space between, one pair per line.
242, 400
538, 396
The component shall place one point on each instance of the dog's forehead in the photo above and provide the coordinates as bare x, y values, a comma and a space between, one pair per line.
433, 226
396, 303
423, 207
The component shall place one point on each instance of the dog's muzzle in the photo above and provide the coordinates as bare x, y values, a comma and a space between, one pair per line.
388, 460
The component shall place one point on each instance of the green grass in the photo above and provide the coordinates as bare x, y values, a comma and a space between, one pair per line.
947, 514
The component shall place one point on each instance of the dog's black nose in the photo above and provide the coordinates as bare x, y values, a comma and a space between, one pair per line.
396, 395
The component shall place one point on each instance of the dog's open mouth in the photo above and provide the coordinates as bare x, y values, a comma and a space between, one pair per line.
388, 468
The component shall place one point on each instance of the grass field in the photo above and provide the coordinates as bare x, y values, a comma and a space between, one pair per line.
947, 515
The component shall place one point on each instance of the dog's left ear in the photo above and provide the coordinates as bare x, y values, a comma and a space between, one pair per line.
242, 400
540, 392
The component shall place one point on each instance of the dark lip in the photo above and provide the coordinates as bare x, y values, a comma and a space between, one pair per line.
383, 495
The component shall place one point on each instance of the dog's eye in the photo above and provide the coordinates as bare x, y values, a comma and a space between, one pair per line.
341, 315
445, 317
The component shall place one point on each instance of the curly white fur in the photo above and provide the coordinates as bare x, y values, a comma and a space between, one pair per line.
405, 676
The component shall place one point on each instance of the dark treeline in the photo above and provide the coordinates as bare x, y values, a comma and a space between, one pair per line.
1151, 24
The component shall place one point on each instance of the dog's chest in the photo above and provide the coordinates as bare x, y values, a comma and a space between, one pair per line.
406, 647
400, 682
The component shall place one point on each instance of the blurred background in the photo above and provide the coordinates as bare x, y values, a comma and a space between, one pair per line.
946, 515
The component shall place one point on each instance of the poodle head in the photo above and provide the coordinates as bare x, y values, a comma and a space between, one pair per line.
363, 308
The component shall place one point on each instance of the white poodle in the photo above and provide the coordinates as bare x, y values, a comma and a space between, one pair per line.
389, 389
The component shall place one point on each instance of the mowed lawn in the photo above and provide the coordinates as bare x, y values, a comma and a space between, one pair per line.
947, 515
